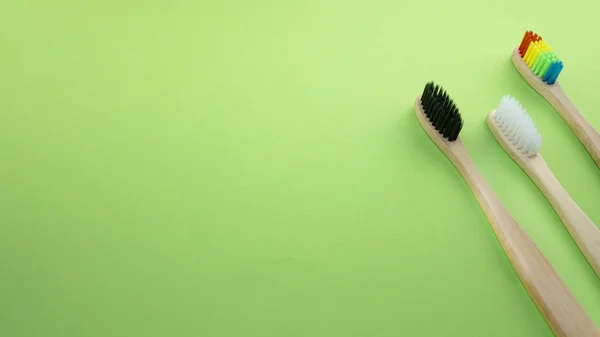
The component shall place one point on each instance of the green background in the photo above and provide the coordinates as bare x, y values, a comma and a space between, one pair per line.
255, 168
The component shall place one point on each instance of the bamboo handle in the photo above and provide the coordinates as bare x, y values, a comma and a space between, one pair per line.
584, 232
582, 229
560, 308
554, 94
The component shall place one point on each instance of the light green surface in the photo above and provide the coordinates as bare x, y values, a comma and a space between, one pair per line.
254, 168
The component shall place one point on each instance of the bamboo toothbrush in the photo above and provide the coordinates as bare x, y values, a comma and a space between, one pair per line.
518, 136
540, 67
440, 118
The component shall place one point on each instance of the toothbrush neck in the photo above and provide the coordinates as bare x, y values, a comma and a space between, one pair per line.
488, 201
566, 208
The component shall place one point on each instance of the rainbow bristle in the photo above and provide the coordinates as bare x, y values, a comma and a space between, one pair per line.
540, 58
527, 39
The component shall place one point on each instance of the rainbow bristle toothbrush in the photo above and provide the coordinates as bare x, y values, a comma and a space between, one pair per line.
515, 131
439, 117
540, 67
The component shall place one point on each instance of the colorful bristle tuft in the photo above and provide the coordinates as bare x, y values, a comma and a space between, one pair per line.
540, 58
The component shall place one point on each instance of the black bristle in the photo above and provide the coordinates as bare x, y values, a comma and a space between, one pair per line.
441, 111
426, 101
434, 117
455, 130
426, 90
449, 102
439, 118
448, 127
444, 124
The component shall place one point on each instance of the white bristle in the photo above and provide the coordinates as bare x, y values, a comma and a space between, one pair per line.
517, 126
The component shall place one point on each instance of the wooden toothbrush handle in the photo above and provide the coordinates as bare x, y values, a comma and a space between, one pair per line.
560, 308
585, 132
582, 229
554, 94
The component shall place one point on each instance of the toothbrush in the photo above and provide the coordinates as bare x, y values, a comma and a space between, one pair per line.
540, 67
441, 120
515, 131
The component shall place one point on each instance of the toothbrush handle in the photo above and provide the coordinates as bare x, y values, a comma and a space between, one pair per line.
585, 132
582, 229
555, 95
558, 306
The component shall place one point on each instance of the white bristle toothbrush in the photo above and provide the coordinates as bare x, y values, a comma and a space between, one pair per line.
515, 131
440, 119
